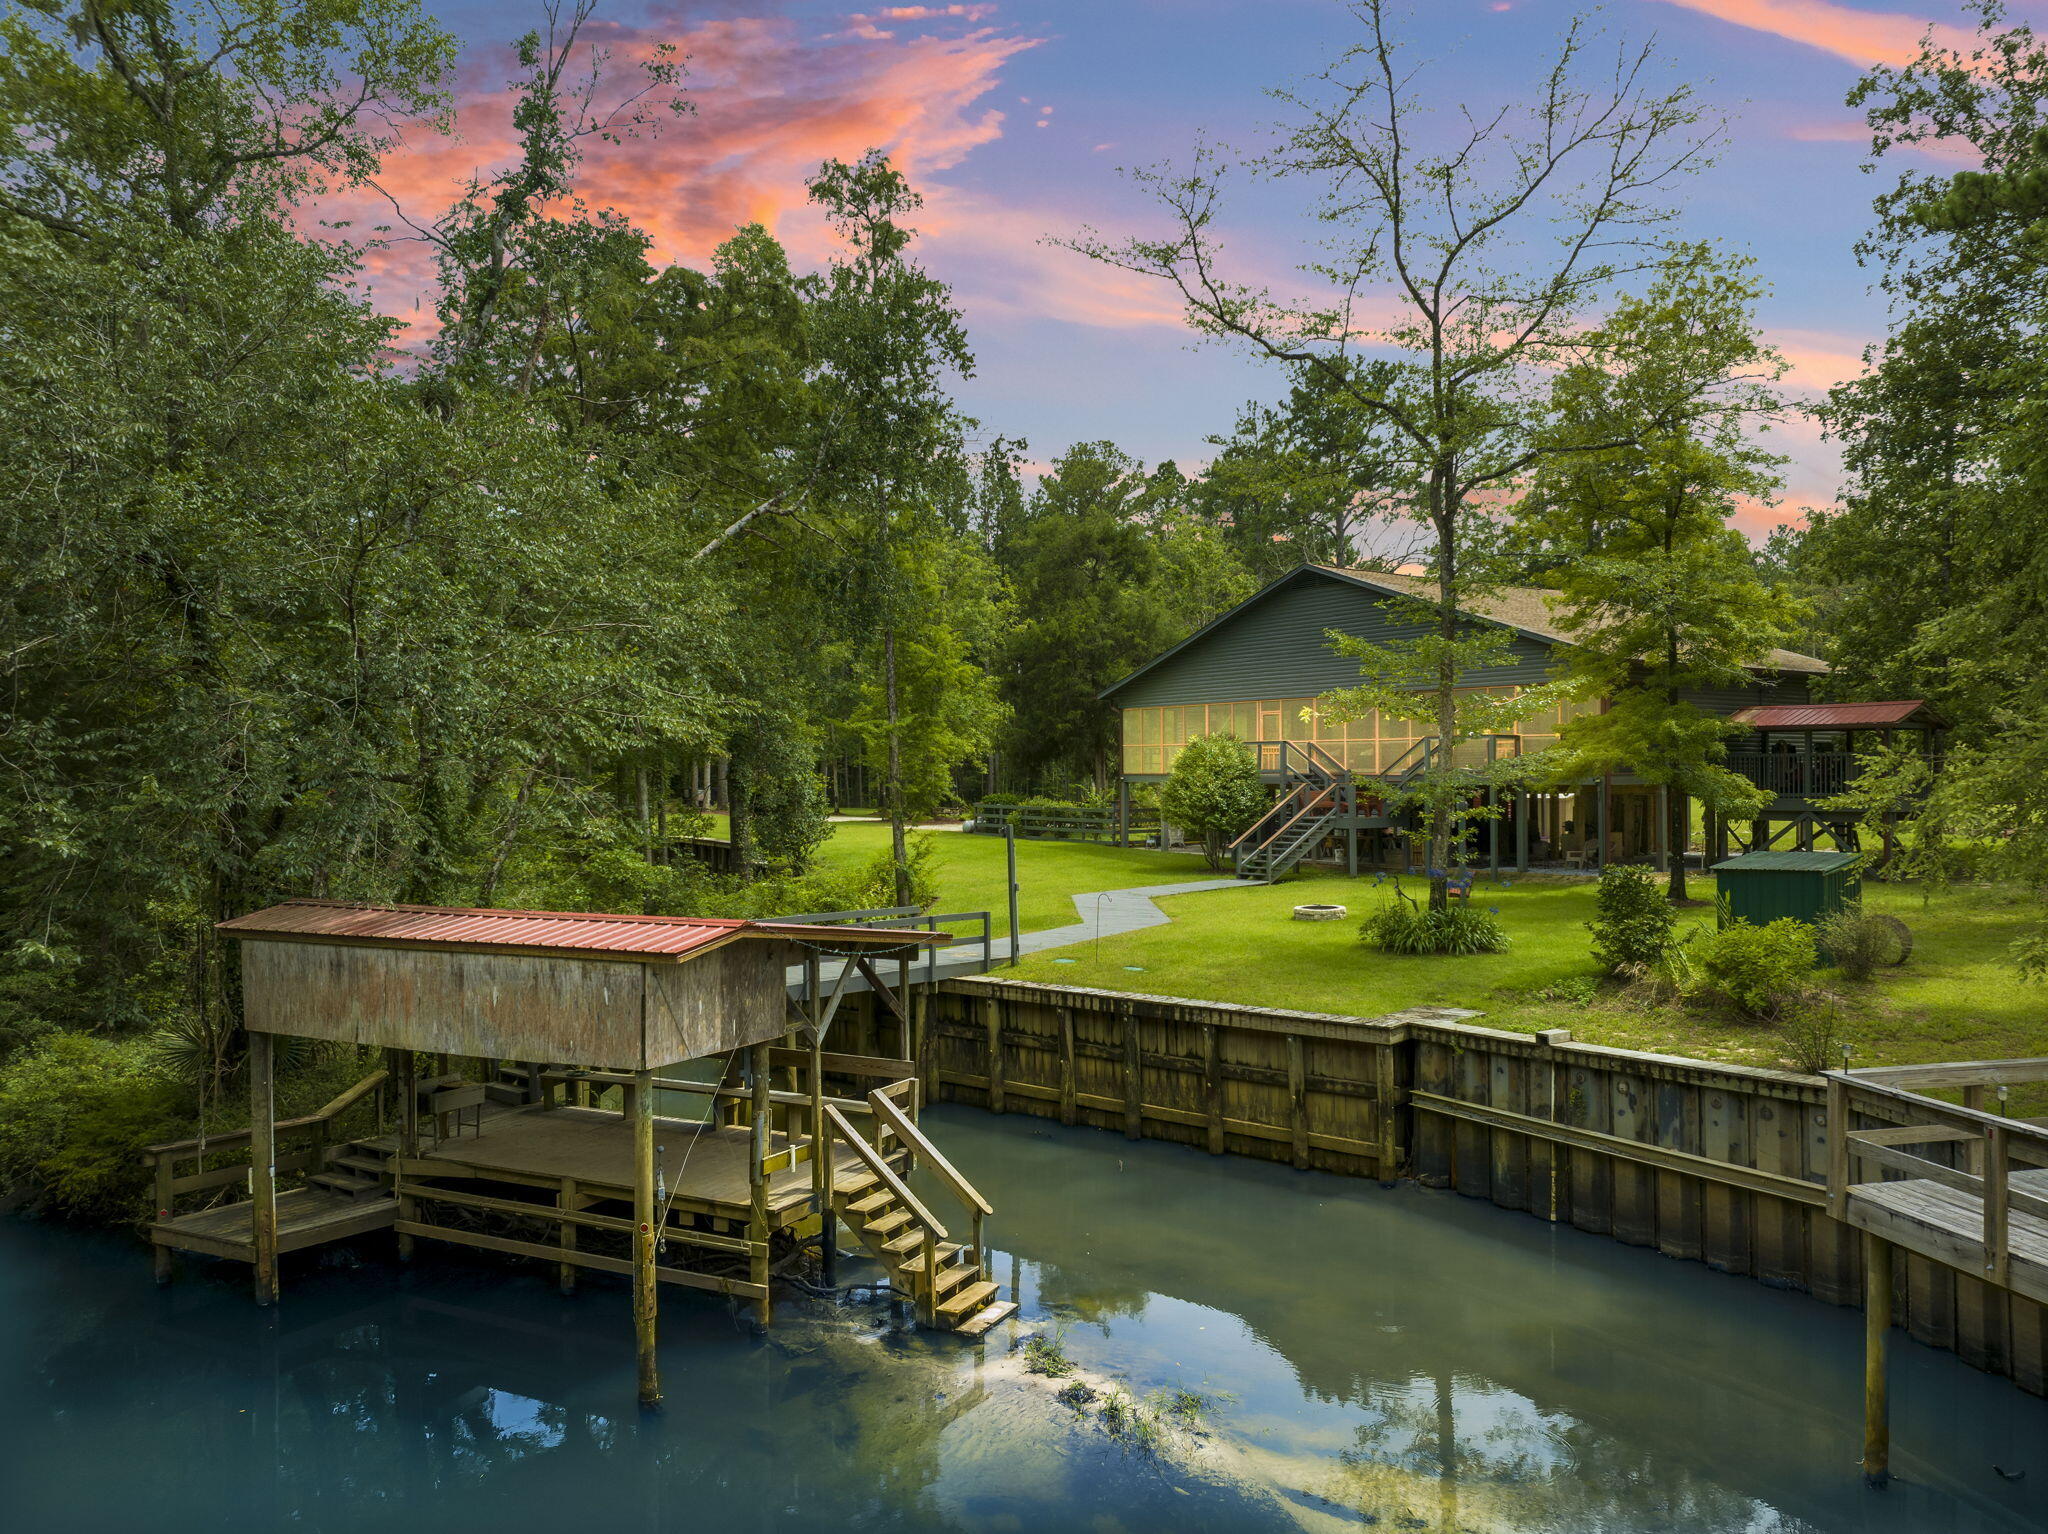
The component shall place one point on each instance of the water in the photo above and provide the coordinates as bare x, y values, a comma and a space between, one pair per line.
1370, 1359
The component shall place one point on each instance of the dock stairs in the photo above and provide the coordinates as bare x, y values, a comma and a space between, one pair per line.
948, 1279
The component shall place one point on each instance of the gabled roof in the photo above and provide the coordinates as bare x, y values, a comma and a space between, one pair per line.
594, 932
1840, 716
1525, 609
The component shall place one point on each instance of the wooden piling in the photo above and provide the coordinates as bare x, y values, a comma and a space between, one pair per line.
1877, 1323
1069, 1107
569, 1201
759, 1230
644, 1214
263, 1163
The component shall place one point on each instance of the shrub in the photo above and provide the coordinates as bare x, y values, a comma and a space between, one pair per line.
1632, 921
1814, 1031
1214, 792
75, 1112
1857, 942
1759, 970
1403, 927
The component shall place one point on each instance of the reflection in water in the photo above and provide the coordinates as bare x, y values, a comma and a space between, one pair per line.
1373, 1359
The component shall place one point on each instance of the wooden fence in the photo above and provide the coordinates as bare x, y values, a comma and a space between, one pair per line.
1720, 1164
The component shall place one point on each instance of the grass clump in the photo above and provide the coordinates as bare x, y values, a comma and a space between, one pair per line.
1401, 926
1047, 1356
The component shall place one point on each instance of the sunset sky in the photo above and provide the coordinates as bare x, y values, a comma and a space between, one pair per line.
1013, 118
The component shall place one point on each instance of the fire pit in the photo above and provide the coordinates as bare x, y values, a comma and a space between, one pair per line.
1320, 913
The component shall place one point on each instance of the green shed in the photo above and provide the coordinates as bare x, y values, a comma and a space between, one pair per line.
1761, 887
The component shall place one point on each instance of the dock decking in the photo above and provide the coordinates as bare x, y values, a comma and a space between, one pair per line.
305, 1217
1947, 1224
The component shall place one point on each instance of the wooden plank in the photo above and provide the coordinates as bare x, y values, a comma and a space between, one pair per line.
1644, 1155
1508, 1090
1589, 1106
620, 1265
1068, 1107
991, 1022
934, 1162
1725, 1211
1297, 1100
1212, 1086
1387, 1114
1779, 1226
1635, 1189
1834, 1255
1678, 1197
1433, 1132
1472, 1166
263, 1165
1134, 1078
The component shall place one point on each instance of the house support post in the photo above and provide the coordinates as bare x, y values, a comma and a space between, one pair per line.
1123, 811
821, 1142
263, 1162
1877, 1325
1602, 792
405, 1071
1665, 851
644, 1214
1522, 804
1492, 823
757, 1179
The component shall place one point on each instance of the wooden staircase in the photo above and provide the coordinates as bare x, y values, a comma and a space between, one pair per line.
948, 1280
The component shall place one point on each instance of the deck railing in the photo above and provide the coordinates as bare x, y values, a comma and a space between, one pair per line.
317, 1127
1979, 1149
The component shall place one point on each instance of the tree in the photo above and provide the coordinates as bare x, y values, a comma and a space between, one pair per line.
1662, 598
1484, 259
1106, 565
1940, 548
1214, 792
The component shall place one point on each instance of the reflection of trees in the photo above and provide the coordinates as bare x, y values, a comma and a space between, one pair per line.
1509, 1464
1086, 1298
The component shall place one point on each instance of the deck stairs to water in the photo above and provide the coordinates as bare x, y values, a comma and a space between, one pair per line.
964, 1298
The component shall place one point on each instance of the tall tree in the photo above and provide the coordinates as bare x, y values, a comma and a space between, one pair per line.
1662, 596
1463, 273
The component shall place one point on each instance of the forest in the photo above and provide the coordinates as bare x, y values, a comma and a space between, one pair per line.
298, 599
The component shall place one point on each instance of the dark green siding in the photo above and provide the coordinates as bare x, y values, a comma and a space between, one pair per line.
1763, 887
1786, 687
1279, 647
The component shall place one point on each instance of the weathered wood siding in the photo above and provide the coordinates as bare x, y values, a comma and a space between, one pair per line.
1279, 646
518, 1006
1710, 1163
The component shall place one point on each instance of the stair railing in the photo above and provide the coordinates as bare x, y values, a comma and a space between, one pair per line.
1283, 807
934, 1232
164, 1159
978, 1208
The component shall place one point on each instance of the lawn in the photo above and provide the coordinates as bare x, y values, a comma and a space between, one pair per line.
1957, 998
971, 871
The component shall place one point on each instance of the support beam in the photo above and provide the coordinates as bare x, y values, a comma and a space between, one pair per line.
263, 1162
570, 1201
821, 1144
1877, 1325
405, 1070
644, 1280
1522, 810
759, 1230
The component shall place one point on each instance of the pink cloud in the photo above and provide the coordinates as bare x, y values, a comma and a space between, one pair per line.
1851, 131
771, 105
1863, 38
1818, 359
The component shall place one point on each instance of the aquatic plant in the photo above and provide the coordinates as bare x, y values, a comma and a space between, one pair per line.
1047, 1355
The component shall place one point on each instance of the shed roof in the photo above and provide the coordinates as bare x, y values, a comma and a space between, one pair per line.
1839, 716
593, 932
1786, 862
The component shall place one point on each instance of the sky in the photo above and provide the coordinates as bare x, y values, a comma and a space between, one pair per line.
1017, 120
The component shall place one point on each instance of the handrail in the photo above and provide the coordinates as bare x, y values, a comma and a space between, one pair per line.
900, 1123
1961, 1073
228, 1138
884, 1173
1279, 805
1313, 804
1329, 764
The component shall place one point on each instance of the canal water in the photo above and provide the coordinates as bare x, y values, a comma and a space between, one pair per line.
1245, 1347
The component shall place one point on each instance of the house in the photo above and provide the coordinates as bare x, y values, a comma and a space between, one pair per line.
1259, 670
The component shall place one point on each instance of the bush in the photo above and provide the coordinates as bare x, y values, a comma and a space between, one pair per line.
1403, 927
1759, 970
75, 1112
1857, 942
1814, 1031
1214, 792
1632, 922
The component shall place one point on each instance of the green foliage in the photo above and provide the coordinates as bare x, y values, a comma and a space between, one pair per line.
1400, 926
1633, 923
1859, 942
1815, 1030
1759, 970
1214, 792
1047, 1355
75, 1111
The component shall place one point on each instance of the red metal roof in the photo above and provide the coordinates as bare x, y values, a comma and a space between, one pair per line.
1837, 716
591, 931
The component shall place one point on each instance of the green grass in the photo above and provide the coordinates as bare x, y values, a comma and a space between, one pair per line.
1957, 998
971, 871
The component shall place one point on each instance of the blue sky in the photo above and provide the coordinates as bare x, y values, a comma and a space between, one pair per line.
1015, 118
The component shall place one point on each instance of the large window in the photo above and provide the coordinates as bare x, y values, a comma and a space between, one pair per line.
1372, 743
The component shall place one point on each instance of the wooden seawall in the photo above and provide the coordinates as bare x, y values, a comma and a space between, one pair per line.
1720, 1164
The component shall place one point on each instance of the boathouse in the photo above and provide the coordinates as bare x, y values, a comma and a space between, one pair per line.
535, 1068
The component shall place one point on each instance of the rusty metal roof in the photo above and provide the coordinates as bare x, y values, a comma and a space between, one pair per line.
1838, 716
596, 932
